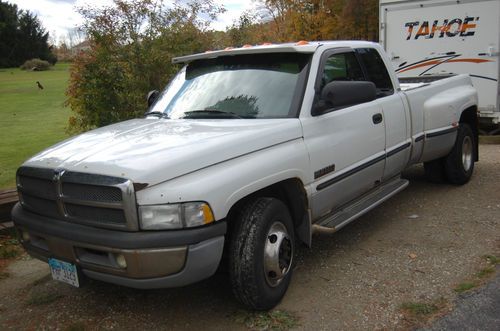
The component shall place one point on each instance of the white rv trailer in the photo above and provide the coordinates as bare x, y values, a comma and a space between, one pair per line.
424, 37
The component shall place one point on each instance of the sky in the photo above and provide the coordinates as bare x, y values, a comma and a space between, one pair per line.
59, 16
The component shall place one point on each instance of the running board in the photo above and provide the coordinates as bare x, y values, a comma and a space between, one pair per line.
334, 222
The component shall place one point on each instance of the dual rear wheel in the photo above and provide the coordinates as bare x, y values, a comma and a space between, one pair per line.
457, 167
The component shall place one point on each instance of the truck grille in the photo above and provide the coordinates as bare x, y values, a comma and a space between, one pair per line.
96, 200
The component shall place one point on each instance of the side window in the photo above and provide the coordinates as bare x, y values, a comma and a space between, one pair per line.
338, 67
342, 66
376, 71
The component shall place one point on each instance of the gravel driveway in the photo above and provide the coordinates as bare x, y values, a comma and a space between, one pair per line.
415, 248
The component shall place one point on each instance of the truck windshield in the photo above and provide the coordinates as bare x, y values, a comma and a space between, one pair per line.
242, 86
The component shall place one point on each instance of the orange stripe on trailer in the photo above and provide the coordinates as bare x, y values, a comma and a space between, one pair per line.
470, 60
428, 63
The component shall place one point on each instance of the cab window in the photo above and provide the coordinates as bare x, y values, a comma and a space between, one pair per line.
343, 66
376, 71
337, 67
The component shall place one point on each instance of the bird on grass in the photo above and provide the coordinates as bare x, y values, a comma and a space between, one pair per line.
39, 85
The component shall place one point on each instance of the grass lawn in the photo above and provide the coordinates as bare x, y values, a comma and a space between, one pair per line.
30, 119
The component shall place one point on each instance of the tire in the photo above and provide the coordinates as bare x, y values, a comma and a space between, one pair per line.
261, 252
434, 171
459, 164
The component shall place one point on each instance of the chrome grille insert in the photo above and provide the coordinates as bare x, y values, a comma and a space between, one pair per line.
96, 200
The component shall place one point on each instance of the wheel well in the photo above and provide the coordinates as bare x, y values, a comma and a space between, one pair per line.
292, 193
469, 116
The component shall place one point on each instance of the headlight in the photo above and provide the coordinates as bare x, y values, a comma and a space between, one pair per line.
160, 217
175, 216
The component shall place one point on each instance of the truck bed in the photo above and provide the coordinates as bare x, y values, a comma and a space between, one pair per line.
410, 83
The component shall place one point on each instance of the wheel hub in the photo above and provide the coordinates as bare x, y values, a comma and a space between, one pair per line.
467, 153
278, 253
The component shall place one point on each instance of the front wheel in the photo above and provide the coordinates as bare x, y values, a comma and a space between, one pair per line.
261, 253
459, 164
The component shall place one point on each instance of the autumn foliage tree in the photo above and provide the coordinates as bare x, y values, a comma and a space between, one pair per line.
292, 20
133, 42
132, 45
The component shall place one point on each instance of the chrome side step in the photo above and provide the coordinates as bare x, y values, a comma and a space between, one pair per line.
335, 221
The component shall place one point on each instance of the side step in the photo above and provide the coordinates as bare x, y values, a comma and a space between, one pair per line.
372, 199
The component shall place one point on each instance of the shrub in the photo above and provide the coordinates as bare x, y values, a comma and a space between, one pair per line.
131, 45
36, 65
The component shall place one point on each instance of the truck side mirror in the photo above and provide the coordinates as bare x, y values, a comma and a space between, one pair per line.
339, 94
152, 96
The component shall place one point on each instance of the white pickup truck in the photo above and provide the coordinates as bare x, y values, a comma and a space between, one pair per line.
244, 153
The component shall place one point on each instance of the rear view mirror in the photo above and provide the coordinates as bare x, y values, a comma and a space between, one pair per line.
152, 96
339, 94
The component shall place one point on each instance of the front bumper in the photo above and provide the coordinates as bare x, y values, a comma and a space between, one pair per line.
153, 259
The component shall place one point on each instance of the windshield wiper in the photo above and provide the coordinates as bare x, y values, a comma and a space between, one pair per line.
157, 113
209, 112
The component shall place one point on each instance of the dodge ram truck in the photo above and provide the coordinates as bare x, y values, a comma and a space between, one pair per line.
237, 161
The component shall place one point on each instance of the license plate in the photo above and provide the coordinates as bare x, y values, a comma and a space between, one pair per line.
64, 272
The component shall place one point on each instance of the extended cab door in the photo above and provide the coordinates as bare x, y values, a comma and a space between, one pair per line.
346, 144
396, 115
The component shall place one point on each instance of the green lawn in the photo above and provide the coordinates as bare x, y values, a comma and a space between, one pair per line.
30, 119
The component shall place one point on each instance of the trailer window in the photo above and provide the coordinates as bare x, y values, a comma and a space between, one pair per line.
376, 71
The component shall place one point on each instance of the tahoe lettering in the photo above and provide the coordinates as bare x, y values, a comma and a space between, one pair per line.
440, 29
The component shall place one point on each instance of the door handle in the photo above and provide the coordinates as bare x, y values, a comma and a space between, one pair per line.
377, 118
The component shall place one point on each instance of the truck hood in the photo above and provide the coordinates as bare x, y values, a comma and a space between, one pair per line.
151, 151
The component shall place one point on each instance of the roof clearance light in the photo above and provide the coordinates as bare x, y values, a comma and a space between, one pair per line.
228, 48
266, 44
246, 46
302, 43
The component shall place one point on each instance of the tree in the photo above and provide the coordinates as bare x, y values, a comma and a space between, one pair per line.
246, 30
361, 19
32, 39
292, 20
22, 37
8, 27
132, 44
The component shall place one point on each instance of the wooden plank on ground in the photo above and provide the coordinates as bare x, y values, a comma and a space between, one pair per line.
6, 225
8, 199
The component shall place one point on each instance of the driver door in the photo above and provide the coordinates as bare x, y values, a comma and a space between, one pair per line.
346, 145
